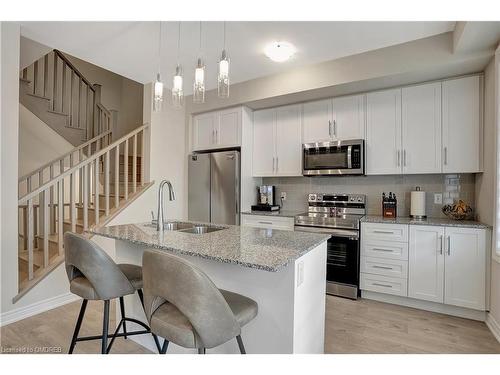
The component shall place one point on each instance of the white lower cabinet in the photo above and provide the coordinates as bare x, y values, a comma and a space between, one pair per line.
445, 265
268, 222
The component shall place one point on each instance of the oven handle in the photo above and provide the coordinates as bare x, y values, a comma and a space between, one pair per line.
334, 232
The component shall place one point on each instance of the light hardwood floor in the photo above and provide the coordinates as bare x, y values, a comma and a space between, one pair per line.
361, 326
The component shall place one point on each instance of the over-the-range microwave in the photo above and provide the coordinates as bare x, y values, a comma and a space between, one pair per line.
333, 158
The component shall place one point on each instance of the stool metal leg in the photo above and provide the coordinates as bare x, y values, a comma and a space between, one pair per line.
202, 351
157, 342
240, 344
78, 325
105, 327
122, 311
164, 347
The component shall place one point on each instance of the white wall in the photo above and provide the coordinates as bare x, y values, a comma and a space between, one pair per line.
9, 65
38, 143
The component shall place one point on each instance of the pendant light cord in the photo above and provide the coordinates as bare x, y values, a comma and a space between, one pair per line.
224, 34
178, 42
200, 38
159, 51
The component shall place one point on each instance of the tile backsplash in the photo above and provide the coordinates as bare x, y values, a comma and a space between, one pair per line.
297, 188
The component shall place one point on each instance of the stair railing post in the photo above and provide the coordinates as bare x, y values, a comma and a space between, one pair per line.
97, 100
114, 125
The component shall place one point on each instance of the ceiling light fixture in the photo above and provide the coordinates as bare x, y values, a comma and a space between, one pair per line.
177, 86
158, 86
279, 51
199, 79
223, 77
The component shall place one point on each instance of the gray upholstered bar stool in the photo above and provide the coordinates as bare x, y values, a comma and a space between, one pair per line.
93, 275
185, 307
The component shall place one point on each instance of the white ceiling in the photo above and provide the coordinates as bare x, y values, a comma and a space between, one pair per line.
131, 48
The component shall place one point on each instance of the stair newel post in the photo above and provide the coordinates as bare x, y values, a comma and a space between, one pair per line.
72, 210
30, 239
87, 111
45, 226
125, 167
63, 87
45, 73
97, 100
60, 214
117, 175
106, 182
85, 185
54, 83
52, 202
134, 164
96, 197
35, 76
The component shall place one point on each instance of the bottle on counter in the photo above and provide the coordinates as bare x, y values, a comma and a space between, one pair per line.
389, 205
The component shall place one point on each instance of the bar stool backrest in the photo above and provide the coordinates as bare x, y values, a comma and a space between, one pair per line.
167, 277
85, 258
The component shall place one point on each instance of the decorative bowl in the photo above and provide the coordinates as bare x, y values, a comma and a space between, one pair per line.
458, 211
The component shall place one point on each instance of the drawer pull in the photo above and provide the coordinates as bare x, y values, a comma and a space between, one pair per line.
266, 222
384, 231
384, 285
380, 249
383, 267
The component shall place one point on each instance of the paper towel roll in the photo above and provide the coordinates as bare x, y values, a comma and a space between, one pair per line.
417, 205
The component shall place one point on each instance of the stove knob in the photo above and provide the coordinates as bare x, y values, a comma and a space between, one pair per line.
360, 199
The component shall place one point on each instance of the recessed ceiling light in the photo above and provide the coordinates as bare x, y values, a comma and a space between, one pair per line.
279, 51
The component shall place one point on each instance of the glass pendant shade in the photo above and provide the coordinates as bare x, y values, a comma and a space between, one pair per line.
199, 83
177, 88
158, 94
223, 78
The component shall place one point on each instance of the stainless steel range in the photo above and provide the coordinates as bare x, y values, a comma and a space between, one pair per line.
338, 215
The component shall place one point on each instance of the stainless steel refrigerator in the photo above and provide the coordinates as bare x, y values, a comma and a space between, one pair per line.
214, 187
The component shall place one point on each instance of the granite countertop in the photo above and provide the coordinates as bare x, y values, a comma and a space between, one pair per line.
429, 221
265, 249
281, 213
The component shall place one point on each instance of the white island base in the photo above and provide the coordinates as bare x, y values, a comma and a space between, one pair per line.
291, 316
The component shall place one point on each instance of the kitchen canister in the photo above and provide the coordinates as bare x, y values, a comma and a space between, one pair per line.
417, 204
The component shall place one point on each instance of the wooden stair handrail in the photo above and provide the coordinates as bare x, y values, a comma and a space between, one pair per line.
83, 163
77, 72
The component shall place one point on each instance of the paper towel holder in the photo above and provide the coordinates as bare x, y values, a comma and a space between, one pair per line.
421, 215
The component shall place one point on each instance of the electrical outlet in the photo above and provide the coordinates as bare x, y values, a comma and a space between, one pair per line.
438, 198
283, 195
300, 273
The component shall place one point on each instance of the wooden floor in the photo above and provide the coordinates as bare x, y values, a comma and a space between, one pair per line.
361, 326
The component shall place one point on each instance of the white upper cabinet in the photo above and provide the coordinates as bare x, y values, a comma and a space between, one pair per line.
349, 117
277, 146
317, 121
263, 154
220, 129
426, 263
462, 151
288, 141
465, 267
383, 132
421, 128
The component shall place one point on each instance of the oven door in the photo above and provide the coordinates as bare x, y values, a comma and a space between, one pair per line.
342, 260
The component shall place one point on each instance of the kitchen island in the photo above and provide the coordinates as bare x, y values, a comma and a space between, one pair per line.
284, 272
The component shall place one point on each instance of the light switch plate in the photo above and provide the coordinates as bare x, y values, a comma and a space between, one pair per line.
438, 198
283, 195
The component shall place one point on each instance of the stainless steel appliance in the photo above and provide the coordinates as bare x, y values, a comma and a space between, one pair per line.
265, 199
337, 215
333, 158
214, 187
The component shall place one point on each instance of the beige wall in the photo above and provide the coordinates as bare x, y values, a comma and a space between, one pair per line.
117, 93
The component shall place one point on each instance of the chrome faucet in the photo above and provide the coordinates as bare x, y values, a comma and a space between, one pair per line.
171, 196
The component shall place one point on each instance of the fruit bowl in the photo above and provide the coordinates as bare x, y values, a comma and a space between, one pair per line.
458, 211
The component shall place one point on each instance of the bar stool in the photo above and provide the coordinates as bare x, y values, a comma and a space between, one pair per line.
93, 275
185, 307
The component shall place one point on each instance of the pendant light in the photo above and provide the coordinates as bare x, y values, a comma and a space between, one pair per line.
199, 79
158, 87
223, 77
177, 85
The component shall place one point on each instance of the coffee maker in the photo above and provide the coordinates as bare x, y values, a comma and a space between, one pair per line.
266, 199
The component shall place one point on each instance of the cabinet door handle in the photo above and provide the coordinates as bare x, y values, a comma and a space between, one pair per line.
449, 246
277, 164
399, 157
330, 128
216, 136
384, 285
383, 231
441, 245
213, 135
445, 155
335, 128
380, 249
266, 222
274, 163
382, 267
404, 158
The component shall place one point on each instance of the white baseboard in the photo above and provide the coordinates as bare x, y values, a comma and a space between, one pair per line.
426, 305
494, 326
36, 308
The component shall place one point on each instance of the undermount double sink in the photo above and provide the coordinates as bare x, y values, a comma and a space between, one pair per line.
179, 226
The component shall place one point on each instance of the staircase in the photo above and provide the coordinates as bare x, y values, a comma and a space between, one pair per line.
84, 188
